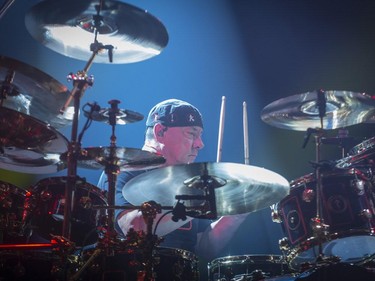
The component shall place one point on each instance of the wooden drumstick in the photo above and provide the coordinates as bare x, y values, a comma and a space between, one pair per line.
245, 134
221, 130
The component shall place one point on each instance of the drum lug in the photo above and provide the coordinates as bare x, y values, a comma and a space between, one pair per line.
359, 186
308, 195
284, 244
275, 214
366, 213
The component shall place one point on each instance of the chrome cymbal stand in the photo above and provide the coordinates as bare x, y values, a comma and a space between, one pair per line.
81, 81
112, 170
319, 229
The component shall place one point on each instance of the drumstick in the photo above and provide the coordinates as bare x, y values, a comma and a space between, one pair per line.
221, 130
245, 134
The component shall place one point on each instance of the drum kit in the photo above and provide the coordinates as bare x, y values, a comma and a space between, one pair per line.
72, 221
328, 216
62, 228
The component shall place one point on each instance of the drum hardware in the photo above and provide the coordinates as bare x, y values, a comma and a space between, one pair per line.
143, 242
80, 82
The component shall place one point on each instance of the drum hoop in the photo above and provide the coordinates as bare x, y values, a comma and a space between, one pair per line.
363, 146
11, 187
310, 178
240, 259
80, 183
312, 242
187, 255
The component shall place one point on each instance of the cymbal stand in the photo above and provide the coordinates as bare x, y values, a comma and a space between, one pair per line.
149, 210
81, 81
320, 230
112, 170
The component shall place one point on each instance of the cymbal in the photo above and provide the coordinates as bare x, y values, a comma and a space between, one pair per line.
28, 145
123, 116
238, 188
98, 158
300, 112
32, 92
68, 28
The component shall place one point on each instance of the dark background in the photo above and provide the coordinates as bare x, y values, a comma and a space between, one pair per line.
253, 51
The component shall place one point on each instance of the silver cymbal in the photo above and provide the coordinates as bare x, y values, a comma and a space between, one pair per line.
98, 158
238, 188
28, 145
32, 92
68, 27
122, 116
300, 112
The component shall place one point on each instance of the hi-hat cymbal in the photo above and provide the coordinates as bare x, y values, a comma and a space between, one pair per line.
28, 145
68, 27
238, 188
32, 92
98, 158
300, 112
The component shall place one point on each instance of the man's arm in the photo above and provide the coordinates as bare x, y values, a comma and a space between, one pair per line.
217, 235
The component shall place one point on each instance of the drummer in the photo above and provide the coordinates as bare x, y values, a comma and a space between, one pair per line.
174, 130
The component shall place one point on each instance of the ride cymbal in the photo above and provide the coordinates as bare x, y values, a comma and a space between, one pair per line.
238, 188
300, 112
30, 91
28, 145
99, 158
69, 27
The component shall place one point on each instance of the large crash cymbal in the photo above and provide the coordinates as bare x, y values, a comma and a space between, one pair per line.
300, 112
32, 92
238, 188
68, 27
28, 145
100, 158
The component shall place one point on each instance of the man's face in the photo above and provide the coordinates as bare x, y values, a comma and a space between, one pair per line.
181, 144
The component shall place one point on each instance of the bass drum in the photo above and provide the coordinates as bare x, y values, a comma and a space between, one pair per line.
347, 207
247, 267
48, 213
14, 210
170, 264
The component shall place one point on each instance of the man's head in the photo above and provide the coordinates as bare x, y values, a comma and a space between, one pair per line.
174, 129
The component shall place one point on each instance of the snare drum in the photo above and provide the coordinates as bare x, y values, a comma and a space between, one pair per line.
13, 213
256, 267
347, 207
48, 215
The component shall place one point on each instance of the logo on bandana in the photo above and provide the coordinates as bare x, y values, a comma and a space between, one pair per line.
191, 118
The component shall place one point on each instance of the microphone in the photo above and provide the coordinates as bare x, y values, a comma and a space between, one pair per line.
94, 112
309, 131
